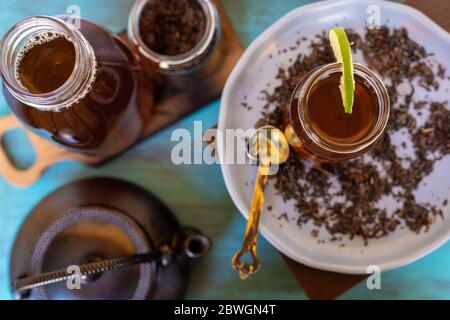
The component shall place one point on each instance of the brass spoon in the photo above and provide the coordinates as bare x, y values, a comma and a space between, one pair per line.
270, 147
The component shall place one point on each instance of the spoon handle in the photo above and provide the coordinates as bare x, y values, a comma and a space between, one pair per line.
23, 285
246, 269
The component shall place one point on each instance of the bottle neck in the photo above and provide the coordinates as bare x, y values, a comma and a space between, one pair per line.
29, 31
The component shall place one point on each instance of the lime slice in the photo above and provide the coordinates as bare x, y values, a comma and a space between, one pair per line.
342, 52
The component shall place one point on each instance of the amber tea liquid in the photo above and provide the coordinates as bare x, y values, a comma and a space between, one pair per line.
46, 65
327, 116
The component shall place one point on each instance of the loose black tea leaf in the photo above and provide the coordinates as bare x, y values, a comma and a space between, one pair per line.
172, 27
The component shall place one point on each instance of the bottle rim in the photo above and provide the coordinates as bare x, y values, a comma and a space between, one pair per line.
174, 62
76, 86
333, 146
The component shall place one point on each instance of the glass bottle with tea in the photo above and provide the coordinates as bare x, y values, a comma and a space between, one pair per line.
76, 87
176, 39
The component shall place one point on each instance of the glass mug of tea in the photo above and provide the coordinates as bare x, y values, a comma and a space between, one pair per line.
75, 87
316, 124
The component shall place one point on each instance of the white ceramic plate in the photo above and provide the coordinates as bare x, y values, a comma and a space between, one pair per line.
252, 74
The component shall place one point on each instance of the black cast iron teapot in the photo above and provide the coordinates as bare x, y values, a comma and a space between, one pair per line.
103, 238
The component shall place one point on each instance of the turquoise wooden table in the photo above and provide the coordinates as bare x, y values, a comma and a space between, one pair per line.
196, 194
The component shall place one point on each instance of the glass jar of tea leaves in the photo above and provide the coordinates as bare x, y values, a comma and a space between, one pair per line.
176, 40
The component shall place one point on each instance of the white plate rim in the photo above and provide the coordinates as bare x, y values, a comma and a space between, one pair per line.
243, 207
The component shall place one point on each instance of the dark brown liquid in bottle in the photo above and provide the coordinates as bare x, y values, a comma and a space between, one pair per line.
106, 120
47, 66
327, 116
